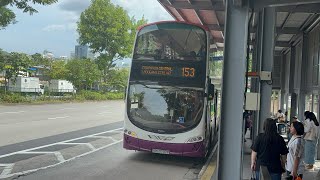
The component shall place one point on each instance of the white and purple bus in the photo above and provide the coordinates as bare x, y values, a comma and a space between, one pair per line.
169, 95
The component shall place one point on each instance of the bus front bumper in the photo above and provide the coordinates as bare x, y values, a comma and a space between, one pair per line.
196, 149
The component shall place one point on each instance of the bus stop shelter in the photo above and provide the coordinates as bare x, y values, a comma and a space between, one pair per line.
283, 38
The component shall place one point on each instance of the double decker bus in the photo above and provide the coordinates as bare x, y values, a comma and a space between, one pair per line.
169, 94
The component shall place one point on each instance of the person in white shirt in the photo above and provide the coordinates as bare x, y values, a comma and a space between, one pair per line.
281, 121
311, 137
294, 165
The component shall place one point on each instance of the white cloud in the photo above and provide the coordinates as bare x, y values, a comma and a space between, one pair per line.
76, 6
151, 9
54, 27
60, 27
72, 26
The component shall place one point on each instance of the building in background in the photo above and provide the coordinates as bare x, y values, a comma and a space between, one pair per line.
83, 51
48, 54
72, 55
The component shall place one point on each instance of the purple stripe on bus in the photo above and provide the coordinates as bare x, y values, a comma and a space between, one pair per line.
182, 149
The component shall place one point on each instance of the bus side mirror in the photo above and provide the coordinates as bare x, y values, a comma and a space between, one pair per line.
211, 92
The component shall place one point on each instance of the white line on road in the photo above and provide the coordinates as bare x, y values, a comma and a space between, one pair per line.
112, 139
104, 137
34, 170
67, 109
48, 145
15, 112
63, 117
56, 153
7, 170
87, 144
105, 113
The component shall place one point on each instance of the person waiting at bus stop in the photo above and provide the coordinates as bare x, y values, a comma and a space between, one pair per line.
270, 150
246, 117
294, 165
281, 121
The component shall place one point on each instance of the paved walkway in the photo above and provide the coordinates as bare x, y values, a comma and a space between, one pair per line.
308, 175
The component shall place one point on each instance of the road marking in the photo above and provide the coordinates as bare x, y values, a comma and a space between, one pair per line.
48, 145
112, 139
7, 170
63, 117
67, 109
119, 131
56, 153
87, 144
105, 113
105, 137
209, 167
46, 167
15, 112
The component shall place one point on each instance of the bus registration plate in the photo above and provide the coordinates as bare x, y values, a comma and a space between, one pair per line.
160, 151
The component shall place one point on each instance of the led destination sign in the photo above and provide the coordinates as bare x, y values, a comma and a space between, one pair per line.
186, 72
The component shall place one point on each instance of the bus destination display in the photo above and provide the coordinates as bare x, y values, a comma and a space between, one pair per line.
186, 72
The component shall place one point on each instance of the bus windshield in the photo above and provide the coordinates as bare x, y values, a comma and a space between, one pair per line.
164, 108
170, 41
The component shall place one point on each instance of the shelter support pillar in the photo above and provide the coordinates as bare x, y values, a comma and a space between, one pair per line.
257, 68
293, 111
303, 93
302, 105
269, 16
231, 136
282, 101
292, 84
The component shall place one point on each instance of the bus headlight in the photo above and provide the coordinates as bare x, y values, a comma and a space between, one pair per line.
130, 133
195, 139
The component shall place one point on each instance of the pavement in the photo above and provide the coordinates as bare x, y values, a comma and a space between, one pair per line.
79, 141
308, 174
22, 123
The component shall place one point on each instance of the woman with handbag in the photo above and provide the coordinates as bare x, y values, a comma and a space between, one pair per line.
270, 150
294, 165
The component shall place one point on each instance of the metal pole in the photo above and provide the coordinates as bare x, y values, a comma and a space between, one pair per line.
230, 144
267, 63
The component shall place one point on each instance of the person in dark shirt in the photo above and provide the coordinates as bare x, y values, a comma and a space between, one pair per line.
247, 121
269, 149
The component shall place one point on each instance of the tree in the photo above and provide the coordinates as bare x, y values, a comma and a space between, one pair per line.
15, 64
7, 16
58, 70
118, 79
3, 59
92, 73
39, 60
82, 73
135, 25
109, 31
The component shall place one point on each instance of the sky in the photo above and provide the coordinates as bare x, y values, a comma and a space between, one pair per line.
54, 27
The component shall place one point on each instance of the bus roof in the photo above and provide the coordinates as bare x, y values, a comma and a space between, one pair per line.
182, 22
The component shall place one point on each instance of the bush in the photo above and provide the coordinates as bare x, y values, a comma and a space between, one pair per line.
14, 98
91, 95
114, 95
81, 96
98, 96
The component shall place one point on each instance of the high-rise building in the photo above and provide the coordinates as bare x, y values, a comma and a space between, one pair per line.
72, 55
82, 51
